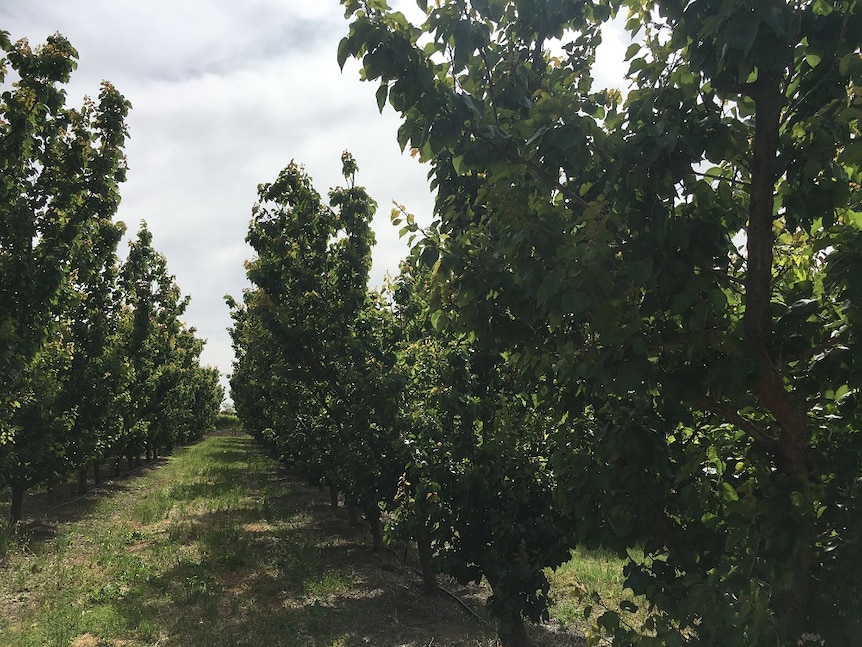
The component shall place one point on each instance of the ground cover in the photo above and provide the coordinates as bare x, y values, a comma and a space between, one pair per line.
219, 546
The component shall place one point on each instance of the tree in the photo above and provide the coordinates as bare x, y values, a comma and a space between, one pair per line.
477, 490
314, 348
172, 398
37, 454
710, 390
252, 367
98, 374
59, 175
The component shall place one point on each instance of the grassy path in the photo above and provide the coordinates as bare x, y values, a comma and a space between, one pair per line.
216, 548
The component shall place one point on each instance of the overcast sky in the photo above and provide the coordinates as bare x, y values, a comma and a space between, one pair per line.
225, 93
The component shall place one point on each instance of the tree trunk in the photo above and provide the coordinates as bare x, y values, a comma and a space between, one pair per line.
511, 628
376, 526
352, 515
18, 490
429, 574
97, 473
789, 447
82, 480
333, 496
514, 632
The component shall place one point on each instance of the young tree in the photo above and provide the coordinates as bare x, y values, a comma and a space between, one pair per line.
98, 374
254, 358
37, 453
681, 266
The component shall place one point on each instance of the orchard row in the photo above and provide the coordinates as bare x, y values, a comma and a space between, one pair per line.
95, 363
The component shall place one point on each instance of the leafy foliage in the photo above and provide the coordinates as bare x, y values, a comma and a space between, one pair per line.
172, 399
59, 171
592, 241
477, 488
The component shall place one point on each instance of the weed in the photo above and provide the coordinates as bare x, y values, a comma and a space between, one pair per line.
152, 507
135, 535
107, 593
7, 539
197, 585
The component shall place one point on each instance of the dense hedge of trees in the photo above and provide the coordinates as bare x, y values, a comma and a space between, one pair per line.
94, 360
633, 323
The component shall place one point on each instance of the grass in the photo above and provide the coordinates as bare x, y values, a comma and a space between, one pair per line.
592, 579
217, 548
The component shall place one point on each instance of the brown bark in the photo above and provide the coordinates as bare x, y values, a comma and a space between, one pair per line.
790, 448
375, 524
511, 628
352, 515
790, 452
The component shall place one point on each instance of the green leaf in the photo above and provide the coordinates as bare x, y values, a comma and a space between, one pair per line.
852, 153
404, 134
823, 8
464, 45
728, 493
439, 320
850, 64
429, 256
549, 287
575, 301
813, 59
741, 31
382, 94
344, 51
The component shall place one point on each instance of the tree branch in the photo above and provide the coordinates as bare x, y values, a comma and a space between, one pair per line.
722, 179
769, 443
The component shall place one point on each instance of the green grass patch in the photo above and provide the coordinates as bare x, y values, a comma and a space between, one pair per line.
151, 507
590, 584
